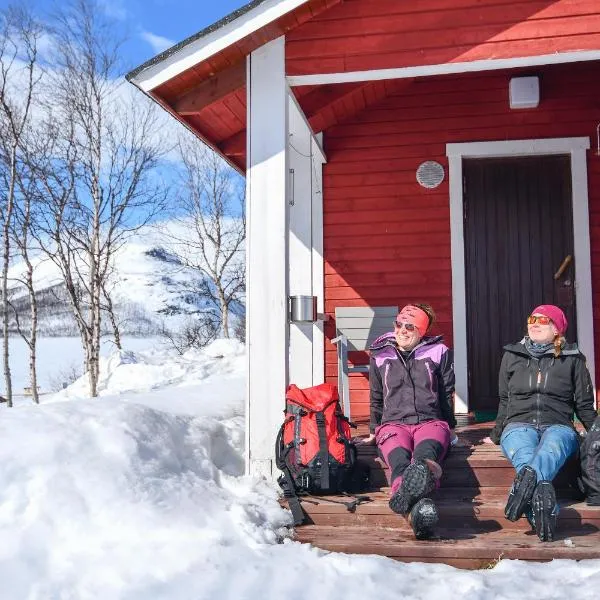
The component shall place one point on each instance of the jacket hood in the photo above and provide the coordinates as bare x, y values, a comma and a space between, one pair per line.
389, 339
519, 348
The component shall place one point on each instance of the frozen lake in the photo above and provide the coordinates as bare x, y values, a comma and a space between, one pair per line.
56, 357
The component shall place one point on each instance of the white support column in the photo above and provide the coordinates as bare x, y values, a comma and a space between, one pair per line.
300, 241
267, 254
318, 266
305, 245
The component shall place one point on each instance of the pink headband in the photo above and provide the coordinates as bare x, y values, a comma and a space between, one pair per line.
418, 317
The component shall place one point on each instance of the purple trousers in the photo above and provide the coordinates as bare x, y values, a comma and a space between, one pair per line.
400, 444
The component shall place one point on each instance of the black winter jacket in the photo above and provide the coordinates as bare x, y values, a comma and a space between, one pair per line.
412, 389
544, 391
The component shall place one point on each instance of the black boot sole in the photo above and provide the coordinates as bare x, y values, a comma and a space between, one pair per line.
543, 504
520, 494
423, 518
417, 482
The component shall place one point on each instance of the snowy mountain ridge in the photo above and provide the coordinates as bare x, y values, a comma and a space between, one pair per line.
151, 289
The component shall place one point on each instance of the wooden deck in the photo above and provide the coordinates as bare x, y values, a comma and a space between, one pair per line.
472, 532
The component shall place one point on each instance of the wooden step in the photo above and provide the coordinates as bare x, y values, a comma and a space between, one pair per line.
481, 465
472, 508
472, 533
464, 548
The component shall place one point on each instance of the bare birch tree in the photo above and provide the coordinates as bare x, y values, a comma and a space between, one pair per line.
212, 229
99, 179
22, 231
19, 77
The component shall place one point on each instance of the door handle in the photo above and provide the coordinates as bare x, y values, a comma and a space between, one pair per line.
563, 265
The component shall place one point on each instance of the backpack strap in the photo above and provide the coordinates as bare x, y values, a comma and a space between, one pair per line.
286, 481
350, 506
323, 450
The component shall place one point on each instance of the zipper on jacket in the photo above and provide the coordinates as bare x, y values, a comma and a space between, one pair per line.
538, 398
385, 384
407, 367
414, 394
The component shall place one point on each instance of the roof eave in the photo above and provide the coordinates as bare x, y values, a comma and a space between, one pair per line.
206, 43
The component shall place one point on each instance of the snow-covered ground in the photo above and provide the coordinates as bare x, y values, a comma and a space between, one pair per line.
140, 494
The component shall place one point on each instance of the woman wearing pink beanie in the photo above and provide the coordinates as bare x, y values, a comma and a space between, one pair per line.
543, 382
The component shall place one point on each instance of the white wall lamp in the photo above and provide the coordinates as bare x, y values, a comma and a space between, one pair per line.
524, 92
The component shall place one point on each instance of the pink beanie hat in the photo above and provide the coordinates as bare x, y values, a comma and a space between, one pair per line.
556, 314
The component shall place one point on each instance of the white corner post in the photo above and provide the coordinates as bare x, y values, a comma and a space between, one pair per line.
267, 253
306, 158
318, 265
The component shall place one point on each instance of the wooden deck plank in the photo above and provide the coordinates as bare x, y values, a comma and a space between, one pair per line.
457, 509
478, 548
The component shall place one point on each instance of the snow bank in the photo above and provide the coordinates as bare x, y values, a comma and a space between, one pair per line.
107, 498
139, 495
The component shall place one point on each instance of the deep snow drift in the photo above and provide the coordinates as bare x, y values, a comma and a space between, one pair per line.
140, 494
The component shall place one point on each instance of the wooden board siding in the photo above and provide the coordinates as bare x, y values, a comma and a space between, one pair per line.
324, 36
387, 239
360, 35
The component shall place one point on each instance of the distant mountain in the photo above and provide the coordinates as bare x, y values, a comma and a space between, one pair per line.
151, 289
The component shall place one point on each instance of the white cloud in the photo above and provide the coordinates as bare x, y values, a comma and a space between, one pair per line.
157, 42
114, 9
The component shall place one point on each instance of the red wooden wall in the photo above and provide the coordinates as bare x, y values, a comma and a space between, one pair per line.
358, 35
387, 239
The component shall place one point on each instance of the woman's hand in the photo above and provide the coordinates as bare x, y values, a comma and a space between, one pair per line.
367, 441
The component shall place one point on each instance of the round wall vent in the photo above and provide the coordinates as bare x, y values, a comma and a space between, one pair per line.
430, 174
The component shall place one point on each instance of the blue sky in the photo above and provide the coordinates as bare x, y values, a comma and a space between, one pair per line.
154, 25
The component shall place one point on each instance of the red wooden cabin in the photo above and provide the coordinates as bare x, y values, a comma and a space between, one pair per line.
330, 107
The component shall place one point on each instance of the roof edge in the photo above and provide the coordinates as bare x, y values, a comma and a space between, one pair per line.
207, 42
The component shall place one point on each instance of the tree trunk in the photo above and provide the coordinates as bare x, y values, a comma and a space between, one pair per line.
5, 264
113, 320
224, 316
33, 340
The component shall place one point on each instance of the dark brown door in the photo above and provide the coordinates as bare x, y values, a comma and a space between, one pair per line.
518, 232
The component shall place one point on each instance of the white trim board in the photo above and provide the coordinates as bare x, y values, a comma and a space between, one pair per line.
199, 50
576, 148
493, 64
317, 142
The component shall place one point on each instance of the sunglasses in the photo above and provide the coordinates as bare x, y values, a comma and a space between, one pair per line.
407, 326
532, 319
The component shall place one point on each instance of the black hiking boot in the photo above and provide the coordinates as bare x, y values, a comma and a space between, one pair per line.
417, 482
545, 510
423, 517
530, 517
520, 493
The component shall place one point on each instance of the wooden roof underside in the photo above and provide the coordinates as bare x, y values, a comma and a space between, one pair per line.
327, 36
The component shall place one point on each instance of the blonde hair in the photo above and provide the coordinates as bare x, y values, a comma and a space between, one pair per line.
559, 342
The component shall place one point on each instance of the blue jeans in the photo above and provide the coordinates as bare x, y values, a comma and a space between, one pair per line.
544, 449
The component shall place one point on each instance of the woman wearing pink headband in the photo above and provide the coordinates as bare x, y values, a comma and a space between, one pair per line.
411, 378
543, 381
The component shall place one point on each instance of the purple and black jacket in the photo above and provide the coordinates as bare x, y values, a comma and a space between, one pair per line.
411, 387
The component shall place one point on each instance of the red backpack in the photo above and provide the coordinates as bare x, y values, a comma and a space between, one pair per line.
314, 448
